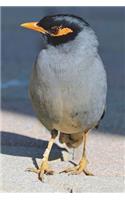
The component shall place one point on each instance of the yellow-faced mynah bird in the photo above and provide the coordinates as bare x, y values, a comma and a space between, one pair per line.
68, 84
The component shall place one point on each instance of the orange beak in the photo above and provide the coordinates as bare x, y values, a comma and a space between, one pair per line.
34, 26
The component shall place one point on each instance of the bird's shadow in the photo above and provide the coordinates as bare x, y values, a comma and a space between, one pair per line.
20, 145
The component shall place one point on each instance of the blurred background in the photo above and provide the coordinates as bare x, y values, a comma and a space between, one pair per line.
24, 139
20, 47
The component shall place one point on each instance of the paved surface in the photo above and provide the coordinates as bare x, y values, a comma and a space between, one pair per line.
24, 139
15, 180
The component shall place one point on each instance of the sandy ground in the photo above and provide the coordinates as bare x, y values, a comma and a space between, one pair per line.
24, 139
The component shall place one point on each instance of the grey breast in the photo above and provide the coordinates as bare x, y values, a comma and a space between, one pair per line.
68, 96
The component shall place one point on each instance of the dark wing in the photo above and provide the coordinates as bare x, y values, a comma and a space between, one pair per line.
103, 114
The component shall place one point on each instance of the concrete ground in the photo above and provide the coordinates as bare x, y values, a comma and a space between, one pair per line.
24, 139
23, 143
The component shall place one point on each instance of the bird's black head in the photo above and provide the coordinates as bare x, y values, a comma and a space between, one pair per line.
59, 29
62, 28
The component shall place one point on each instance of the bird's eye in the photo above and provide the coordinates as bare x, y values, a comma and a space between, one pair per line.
55, 29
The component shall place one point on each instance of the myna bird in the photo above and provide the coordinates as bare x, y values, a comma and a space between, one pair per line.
68, 84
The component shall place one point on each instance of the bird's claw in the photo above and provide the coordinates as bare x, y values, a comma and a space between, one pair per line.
81, 167
43, 169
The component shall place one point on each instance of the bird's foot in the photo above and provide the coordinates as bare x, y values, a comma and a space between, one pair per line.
43, 169
81, 167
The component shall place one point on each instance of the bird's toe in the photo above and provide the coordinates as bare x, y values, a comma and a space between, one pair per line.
43, 169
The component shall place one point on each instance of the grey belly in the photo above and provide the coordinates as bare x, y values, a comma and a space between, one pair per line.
66, 105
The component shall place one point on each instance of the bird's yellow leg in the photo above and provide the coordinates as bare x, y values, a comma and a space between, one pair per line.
81, 167
44, 166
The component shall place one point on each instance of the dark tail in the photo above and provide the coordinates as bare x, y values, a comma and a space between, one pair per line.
71, 140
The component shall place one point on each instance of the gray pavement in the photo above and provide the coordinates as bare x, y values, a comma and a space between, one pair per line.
24, 139
16, 180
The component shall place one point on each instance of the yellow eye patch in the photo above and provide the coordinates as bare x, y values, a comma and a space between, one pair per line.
62, 31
